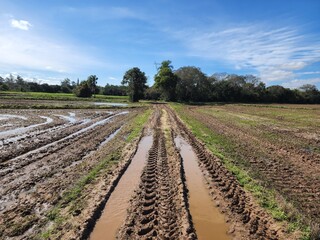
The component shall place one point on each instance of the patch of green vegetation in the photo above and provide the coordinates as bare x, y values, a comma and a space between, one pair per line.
75, 192
138, 124
60, 96
222, 148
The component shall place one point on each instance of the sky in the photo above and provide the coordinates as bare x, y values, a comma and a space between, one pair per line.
48, 41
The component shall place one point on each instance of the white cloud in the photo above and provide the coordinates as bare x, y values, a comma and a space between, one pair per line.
296, 83
274, 53
37, 52
21, 24
309, 73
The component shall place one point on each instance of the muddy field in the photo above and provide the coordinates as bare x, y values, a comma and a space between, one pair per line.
278, 145
77, 174
45, 152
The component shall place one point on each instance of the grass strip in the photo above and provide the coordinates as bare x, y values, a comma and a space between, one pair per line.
138, 123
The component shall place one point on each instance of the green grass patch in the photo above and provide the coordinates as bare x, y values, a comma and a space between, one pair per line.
138, 124
222, 148
60, 96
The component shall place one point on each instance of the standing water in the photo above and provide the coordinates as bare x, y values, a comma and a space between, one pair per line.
115, 211
208, 221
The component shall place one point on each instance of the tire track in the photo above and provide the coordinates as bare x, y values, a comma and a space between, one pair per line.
248, 218
158, 208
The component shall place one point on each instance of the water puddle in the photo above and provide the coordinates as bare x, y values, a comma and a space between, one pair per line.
44, 148
208, 221
71, 118
115, 211
8, 116
111, 104
109, 138
22, 130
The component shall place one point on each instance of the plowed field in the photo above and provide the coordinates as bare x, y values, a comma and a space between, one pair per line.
59, 170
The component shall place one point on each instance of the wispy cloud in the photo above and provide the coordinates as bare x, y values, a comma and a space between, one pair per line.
21, 24
296, 83
101, 13
274, 53
309, 73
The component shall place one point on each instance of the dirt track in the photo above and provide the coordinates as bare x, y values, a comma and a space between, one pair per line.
52, 157
159, 209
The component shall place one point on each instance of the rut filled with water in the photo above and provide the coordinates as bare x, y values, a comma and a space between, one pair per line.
209, 223
115, 210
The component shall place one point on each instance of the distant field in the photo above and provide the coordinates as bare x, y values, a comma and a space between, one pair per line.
60, 96
40, 100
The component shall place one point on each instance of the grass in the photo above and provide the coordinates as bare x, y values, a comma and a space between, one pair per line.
138, 123
60, 96
222, 148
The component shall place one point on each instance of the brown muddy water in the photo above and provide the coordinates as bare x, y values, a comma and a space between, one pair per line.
208, 221
115, 211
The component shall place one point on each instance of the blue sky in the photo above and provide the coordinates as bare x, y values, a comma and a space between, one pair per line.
279, 41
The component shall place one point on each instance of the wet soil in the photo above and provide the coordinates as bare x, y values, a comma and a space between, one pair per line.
115, 210
274, 155
159, 207
209, 223
34, 178
161, 202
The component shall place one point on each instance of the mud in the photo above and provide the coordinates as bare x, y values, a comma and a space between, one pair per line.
247, 220
160, 203
158, 209
115, 210
209, 223
279, 162
33, 179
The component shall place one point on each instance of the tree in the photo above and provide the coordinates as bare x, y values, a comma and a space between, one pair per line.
136, 82
310, 93
192, 85
66, 86
166, 80
92, 83
83, 90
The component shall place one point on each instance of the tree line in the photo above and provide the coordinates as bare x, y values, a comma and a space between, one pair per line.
84, 88
190, 84
186, 84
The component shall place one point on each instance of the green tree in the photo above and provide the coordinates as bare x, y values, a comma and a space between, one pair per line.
66, 86
136, 82
193, 85
92, 83
166, 81
83, 90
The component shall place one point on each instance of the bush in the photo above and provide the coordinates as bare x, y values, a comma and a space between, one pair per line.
83, 90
